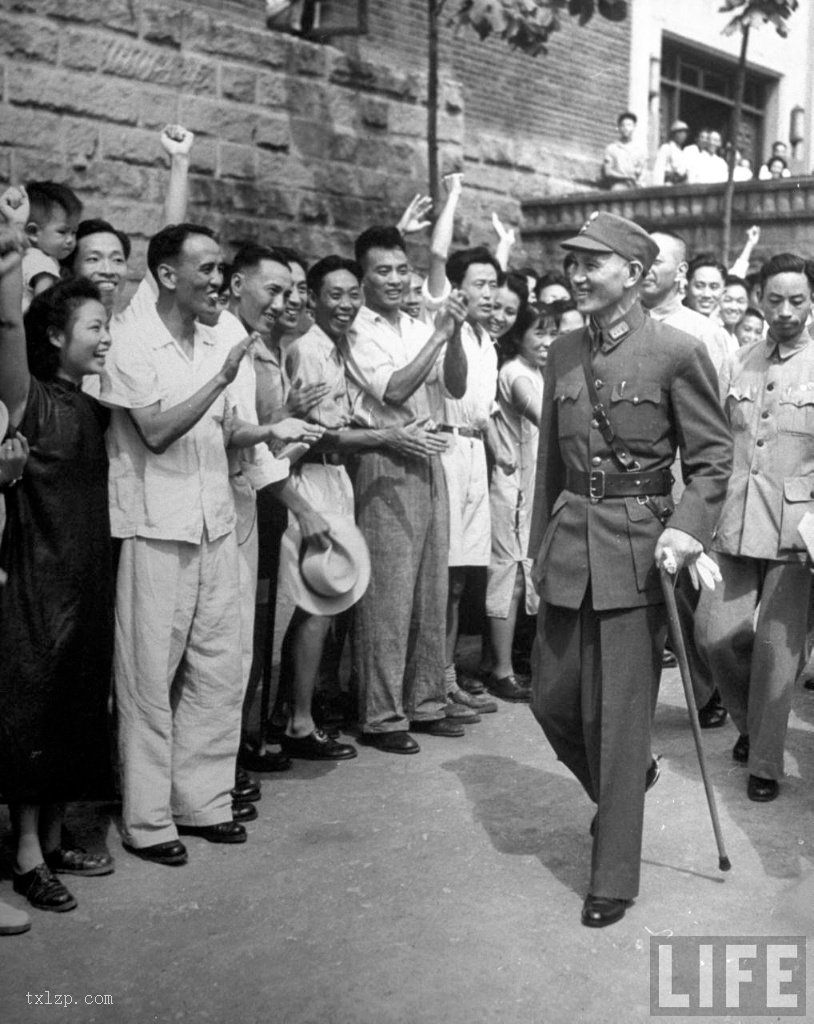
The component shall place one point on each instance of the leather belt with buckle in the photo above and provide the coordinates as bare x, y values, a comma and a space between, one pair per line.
598, 484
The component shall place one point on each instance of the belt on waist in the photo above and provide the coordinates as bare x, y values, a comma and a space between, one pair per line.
598, 484
321, 459
448, 428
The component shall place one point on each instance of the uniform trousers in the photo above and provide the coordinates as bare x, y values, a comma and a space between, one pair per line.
595, 677
178, 684
399, 624
756, 661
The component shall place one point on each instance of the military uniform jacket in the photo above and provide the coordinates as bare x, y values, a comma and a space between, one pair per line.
661, 392
768, 392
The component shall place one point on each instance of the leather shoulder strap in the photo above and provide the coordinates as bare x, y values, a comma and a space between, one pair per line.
620, 453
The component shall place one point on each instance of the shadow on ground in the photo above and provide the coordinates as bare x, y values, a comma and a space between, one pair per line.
528, 811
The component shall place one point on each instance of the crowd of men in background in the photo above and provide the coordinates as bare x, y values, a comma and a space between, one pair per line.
679, 161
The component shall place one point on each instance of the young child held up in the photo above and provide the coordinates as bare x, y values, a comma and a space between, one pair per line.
51, 231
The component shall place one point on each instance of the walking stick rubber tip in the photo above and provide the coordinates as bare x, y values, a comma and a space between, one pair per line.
724, 864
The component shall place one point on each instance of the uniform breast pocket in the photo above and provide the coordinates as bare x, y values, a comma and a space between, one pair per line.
570, 420
795, 410
636, 412
740, 405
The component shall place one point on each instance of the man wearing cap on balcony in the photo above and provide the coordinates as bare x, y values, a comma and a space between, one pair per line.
670, 167
600, 532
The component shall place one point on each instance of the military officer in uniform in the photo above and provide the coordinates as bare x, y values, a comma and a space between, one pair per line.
620, 397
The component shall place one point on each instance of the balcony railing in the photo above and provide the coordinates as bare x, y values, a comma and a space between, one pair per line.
783, 209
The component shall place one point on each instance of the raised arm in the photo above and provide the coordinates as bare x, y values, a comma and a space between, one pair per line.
176, 141
409, 378
442, 237
506, 238
14, 373
415, 216
740, 268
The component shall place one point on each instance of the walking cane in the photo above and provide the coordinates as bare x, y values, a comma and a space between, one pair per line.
680, 651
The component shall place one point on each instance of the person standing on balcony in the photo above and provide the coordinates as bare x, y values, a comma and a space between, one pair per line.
708, 166
670, 167
624, 161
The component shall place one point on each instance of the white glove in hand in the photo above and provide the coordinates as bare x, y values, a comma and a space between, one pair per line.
704, 573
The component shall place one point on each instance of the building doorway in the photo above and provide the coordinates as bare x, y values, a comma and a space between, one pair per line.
699, 88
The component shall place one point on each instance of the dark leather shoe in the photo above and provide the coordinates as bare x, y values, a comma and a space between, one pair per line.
173, 852
740, 752
600, 911
713, 714
270, 761
317, 747
248, 794
762, 790
439, 727
44, 890
223, 832
79, 862
243, 812
400, 742
668, 659
508, 688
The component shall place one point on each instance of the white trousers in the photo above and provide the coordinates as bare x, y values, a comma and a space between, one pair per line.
179, 684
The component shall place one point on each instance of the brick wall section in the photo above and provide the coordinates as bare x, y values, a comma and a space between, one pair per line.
298, 143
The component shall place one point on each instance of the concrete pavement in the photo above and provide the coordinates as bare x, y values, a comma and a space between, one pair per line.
443, 887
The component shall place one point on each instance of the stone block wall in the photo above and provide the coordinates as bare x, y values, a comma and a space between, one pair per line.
296, 142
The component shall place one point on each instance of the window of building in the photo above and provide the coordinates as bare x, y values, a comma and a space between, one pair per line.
699, 88
319, 20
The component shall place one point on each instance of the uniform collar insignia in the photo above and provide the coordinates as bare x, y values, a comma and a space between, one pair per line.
618, 329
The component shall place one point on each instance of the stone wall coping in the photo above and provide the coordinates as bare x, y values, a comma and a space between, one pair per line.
754, 202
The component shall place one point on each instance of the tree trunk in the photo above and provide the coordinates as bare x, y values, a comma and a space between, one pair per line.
433, 10
734, 130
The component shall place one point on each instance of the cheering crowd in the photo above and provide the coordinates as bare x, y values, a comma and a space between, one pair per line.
355, 438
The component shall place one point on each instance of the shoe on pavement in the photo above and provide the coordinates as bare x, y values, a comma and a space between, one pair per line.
740, 752
477, 702
79, 862
448, 727
222, 832
762, 790
173, 853
13, 921
713, 714
318, 746
43, 890
459, 713
396, 742
600, 911
243, 812
508, 688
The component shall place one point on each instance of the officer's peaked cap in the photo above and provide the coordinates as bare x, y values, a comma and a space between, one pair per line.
607, 232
